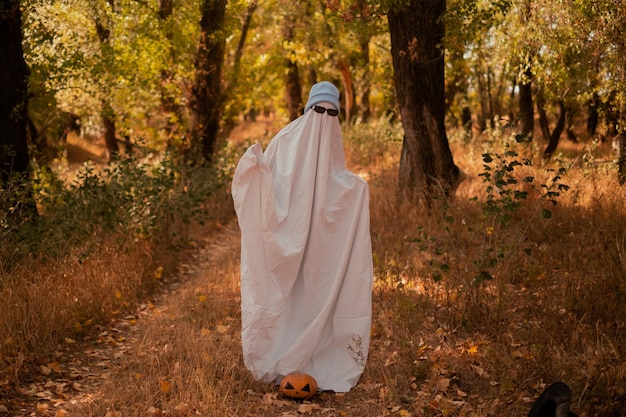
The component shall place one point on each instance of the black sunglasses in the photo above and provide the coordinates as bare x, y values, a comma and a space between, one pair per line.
331, 112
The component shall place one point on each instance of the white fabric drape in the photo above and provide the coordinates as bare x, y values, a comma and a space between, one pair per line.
306, 259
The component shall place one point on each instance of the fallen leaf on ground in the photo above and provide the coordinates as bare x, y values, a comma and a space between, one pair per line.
55, 366
308, 408
443, 384
165, 386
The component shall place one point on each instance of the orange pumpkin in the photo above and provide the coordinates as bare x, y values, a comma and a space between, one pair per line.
298, 385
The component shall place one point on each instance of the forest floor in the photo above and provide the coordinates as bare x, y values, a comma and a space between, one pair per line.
83, 369
445, 374
79, 376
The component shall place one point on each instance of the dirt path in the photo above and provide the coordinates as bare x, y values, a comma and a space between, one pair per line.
87, 377
145, 363
80, 369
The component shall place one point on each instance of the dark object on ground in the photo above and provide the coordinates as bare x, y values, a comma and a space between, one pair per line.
554, 401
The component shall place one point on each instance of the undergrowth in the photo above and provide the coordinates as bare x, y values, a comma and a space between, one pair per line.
96, 245
526, 261
515, 281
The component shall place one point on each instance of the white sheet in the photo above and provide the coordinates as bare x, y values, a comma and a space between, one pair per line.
306, 258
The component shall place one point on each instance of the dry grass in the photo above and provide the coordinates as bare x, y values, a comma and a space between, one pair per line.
442, 344
42, 303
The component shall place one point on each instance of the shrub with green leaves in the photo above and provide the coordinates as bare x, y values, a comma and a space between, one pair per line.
131, 198
507, 191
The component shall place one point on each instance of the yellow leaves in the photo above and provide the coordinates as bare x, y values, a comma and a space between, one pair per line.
158, 273
202, 298
118, 294
472, 349
219, 329
165, 386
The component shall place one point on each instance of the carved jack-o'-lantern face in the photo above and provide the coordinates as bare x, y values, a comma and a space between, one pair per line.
298, 385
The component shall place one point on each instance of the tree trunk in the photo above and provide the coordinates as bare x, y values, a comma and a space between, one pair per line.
612, 115
294, 90
169, 106
366, 111
466, 121
242, 38
619, 146
107, 113
526, 114
511, 101
14, 157
207, 98
570, 115
592, 115
485, 117
426, 165
110, 140
544, 123
556, 133
166, 7
457, 87
348, 88
292, 78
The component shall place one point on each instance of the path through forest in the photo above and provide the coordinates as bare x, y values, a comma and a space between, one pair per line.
79, 381
81, 367
426, 371
85, 375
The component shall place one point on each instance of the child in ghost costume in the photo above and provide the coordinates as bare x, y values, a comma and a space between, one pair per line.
306, 256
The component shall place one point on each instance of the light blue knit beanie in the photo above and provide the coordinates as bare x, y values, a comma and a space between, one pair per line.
323, 91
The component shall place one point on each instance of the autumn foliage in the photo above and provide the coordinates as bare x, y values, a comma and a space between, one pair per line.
478, 305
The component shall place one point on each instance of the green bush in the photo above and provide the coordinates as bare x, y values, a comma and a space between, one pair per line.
130, 198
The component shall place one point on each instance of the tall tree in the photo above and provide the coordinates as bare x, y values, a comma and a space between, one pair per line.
207, 95
169, 105
292, 73
245, 27
426, 165
14, 157
107, 114
526, 113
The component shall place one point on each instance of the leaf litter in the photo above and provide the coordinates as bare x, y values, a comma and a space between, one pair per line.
433, 372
